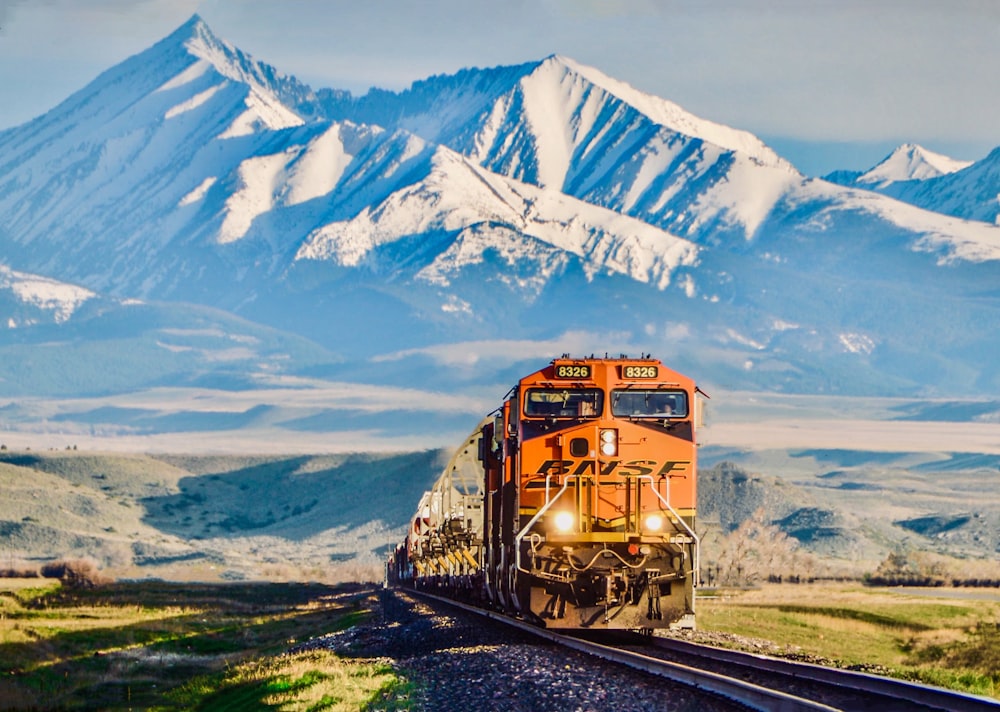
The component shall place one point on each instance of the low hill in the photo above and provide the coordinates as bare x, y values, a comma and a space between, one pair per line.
858, 505
211, 517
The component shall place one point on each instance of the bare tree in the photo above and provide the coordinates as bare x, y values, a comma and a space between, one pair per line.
757, 550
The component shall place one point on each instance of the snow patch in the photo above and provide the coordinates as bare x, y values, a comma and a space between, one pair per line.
263, 113
47, 294
455, 305
687, 284
857, 343
319, 168
198, 193
255, 195
548, 111
747, 195
744, 340
193, 103
189, 75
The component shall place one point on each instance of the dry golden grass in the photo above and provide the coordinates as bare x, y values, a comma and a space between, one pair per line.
946, 637
163, 646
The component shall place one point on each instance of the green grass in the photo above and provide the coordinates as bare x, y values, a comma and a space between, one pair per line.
171, 646
316, 680
25, 590
952, 643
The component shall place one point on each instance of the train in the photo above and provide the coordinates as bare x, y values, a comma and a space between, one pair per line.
571, 505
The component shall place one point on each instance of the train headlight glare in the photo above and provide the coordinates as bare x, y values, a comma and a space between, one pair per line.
564, 521
609, 442
654, 522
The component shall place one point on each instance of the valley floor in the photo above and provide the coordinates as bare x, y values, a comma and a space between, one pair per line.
739, 420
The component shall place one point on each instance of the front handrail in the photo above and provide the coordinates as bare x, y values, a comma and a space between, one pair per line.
538, 515
666, 503
550, 501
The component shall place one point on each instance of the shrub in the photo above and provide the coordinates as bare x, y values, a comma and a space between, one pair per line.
76, 573
18, 573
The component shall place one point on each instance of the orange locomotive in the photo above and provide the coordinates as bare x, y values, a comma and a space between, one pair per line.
584, 516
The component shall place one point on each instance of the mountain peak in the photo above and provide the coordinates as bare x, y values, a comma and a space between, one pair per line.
911, 161
283, 94
666, 113
192, 27
197, 38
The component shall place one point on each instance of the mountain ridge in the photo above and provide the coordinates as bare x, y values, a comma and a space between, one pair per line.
519, 202
912, 174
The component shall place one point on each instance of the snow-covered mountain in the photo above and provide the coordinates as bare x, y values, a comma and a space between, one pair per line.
972, 193
909, 162
911, 173
559, 124
503, 204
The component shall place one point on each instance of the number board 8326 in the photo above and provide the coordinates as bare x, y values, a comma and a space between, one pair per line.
640, 371
572, 370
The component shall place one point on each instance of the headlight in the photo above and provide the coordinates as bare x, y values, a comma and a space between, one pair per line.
654, 522
564, 521
609, 442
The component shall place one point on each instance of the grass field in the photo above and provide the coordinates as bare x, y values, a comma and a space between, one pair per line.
170, 646
175, 646
944, 637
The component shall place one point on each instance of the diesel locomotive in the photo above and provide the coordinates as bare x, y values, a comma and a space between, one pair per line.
572, 504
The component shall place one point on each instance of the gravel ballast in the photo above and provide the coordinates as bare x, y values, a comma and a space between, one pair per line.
459, 661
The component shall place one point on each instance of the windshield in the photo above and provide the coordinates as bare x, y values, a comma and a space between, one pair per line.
649, 403
564, 403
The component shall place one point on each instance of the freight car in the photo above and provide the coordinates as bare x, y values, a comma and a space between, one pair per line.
572, 504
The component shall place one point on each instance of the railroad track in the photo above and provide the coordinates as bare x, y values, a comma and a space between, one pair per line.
841, 689
754, 681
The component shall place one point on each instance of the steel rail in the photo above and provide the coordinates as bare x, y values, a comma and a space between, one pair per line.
937, 698
753, 696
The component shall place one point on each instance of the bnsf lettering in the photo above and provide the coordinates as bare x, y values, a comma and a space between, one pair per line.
555, 467
562, 467
671, 466
586, 467
632, 468
638, 468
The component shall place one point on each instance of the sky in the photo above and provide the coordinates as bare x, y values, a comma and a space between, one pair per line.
827, 83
